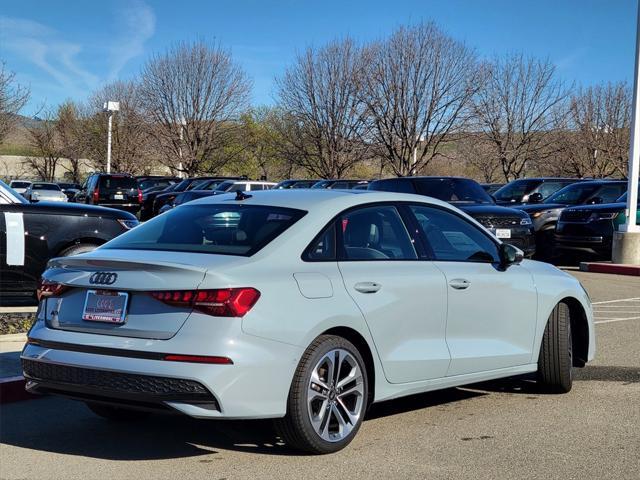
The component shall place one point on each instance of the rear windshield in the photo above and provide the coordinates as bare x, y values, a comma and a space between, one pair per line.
45, 186
117, 183
15, 184
453, 190
154, 182
211, 228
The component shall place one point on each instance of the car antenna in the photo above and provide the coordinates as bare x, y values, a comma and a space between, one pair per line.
240, 195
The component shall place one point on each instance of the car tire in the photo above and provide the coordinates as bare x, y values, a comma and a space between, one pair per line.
116, 414
321, 396
78, 249
555, 363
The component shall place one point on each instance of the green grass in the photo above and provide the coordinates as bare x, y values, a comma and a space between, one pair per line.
16, 149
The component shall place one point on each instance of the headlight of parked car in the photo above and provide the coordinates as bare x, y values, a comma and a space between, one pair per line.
603, 216
525, 221
128, 224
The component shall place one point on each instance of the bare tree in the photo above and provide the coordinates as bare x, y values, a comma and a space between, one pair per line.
130, 146
44, 140
192, 94
594, 136
419, 86
515, 110
327, 125
474, 150
13, 98
71, 135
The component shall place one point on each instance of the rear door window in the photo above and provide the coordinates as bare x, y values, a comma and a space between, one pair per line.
375, 233
210, 228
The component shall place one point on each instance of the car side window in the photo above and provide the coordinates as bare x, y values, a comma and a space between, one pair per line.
549, 188
323, 248
375, 233
452, 238
609, 193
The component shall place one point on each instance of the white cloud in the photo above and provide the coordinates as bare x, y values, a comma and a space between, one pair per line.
43, 47
138, 24
60, 58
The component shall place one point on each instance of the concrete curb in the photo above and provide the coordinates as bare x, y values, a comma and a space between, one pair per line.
613, 268
14, 337
12, 390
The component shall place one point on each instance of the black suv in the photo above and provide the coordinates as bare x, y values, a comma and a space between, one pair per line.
586, 231
510, 225
545, 215
530, 190
115, 190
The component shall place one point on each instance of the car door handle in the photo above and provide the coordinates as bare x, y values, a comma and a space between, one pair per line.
459, 283
367, 287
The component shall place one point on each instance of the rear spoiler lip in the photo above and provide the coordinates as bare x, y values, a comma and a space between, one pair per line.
116, 263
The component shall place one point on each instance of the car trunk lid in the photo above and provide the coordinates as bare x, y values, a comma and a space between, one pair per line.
111, 272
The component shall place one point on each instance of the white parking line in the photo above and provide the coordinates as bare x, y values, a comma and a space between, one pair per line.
630, 299
613, 320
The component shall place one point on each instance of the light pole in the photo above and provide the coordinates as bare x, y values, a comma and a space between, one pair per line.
109, 108
183, 123
626, 242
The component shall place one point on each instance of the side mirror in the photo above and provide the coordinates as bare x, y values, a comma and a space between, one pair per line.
536, 197
596, 201
510, 255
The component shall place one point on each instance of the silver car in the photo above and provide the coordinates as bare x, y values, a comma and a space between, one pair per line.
304, 306
47, 192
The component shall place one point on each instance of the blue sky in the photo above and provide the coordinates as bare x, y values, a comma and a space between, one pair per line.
66, 49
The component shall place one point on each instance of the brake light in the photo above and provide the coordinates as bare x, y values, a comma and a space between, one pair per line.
225, 302
50, 289
139, 196
96, 194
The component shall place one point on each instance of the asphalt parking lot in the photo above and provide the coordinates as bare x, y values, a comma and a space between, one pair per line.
503, 429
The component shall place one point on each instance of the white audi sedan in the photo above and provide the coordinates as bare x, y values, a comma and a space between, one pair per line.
305, 306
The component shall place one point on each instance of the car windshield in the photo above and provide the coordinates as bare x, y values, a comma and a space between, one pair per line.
69, 185
453, 190
18, 184
117, 183
322, 184
575, 194
45, 186
210, 228
623, 199
516, 190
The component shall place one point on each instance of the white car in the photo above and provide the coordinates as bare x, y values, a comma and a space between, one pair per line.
20, 186
305, 306
44, 192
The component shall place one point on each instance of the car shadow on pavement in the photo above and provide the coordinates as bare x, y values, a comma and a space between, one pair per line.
68, 427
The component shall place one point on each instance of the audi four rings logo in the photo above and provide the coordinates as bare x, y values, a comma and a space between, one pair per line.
103, 278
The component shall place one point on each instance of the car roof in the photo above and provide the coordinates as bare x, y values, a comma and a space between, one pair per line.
318, 199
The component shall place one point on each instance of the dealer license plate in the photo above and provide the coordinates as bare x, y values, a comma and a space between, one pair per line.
105, 306
503, 233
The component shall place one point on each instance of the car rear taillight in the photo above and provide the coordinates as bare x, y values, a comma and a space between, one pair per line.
224, 302
139, 196
50, 289
198, 359
96, 194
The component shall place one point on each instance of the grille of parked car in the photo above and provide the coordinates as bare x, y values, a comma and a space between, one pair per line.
124, 383
498, 222
575, 216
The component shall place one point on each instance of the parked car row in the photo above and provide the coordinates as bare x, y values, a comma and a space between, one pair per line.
524, 212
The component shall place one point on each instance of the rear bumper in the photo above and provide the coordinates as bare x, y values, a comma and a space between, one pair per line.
127, 207
256, 385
